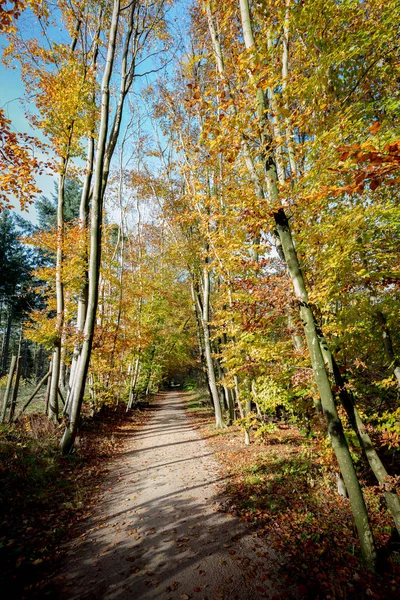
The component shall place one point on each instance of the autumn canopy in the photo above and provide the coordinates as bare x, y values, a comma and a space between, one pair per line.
225, 219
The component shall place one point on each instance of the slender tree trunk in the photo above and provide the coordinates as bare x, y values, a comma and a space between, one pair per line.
6, 344
228, 392
55, 374
205, 316
95, 244
47, 397
83, 294
8, 388
285, 73
25, 360
121, 265
40, 364
335, 429
105, 150
237, 395
133, 382
200, 339
150, 372
14, 396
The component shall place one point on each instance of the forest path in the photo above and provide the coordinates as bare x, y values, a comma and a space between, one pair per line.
155, 532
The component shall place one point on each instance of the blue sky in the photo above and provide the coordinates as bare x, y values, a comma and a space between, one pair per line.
11, 91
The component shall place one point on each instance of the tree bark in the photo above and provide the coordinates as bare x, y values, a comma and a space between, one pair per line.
14, 396
130, 45
204, 311
133, 382
335, 429
6, 345
55, 374
8, 388
95, 243
47, 397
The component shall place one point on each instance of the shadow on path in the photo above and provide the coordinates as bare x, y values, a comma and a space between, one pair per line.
156, 532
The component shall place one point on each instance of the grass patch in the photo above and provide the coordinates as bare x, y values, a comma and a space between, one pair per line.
199, 402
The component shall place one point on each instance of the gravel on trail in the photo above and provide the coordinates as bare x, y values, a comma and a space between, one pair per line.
157, 532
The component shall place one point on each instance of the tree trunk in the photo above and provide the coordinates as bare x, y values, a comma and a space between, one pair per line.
40, 364
150, 372
8, 388
6, 345
47, 397
55, 374
200, 340
237, 396
14, 396
99, 184
25, 360
205, 315
83, 224
335, 429
133, 382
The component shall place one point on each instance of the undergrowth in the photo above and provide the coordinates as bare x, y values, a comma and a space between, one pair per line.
283, 486
43, 494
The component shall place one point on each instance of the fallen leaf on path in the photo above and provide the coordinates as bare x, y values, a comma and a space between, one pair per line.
173, 586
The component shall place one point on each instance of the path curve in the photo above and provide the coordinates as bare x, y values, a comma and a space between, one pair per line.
156, 532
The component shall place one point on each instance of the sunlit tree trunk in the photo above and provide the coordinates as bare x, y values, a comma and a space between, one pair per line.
203, 305
56, 361
133, 382
134, 32
83, 224
335, 428
95, 242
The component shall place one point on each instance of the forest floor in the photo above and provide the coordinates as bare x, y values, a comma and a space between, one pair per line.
157, 531
160, 504
43, 495
283, 487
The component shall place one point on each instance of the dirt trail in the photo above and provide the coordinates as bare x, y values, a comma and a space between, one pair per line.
156, 532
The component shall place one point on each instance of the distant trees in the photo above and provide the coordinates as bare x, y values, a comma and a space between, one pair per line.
46, 208
17, 298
